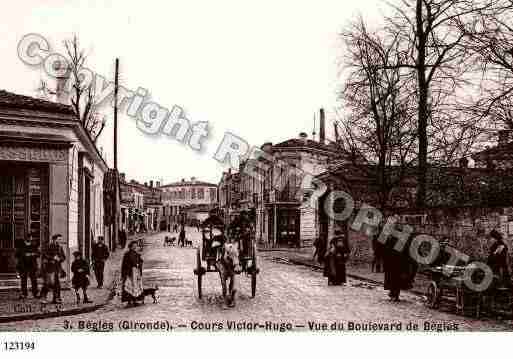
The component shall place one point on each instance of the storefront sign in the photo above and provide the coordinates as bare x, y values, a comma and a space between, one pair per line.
32, 154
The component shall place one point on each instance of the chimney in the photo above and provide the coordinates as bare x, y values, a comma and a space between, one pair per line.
322, 127
62, 75
145, 184
503, 137
463, 162
303, 137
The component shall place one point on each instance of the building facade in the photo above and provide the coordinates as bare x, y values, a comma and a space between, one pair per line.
229, 189
284, 216
188, 201
51, 179
274, 190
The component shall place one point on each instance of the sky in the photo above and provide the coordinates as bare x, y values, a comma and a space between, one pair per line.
257, 69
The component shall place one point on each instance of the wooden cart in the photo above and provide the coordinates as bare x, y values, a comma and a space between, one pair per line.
448, 287
213, 228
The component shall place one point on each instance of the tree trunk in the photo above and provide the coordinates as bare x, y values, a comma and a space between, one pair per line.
422, 107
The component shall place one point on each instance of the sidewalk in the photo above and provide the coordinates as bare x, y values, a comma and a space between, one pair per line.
13, 309
360, 271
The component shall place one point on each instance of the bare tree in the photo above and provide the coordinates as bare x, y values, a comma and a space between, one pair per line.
432, 49
379, 123
490, 40
82, 90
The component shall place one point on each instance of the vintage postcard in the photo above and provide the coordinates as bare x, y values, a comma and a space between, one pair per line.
319, 167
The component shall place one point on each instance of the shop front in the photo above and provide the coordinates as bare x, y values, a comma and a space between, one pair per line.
283, 225
28, 170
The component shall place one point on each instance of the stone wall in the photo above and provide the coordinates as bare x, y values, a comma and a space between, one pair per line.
464, 228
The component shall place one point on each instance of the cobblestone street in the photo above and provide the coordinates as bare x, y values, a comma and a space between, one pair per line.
285, 294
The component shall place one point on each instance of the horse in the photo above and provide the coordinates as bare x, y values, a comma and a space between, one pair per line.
228, 265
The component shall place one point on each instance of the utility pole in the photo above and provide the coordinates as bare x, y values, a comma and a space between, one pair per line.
116, 186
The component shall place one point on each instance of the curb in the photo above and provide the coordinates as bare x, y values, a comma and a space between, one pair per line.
52, 314
350, 275
67, 312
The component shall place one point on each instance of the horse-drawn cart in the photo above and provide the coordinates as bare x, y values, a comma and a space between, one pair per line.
212, 255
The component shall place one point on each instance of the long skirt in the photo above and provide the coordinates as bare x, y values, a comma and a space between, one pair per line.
335, 270
132, 287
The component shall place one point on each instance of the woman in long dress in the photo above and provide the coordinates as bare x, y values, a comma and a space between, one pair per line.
131, 275
400, 268
335, 259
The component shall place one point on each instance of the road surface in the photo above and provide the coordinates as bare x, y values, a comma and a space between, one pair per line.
288, 297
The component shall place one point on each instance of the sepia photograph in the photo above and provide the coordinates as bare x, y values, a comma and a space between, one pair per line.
255, 167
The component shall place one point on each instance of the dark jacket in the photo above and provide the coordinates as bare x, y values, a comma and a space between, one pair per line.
335, 260
26, 256
100, 252
80, 269
53, 258
130, 260
498, 261
400, 269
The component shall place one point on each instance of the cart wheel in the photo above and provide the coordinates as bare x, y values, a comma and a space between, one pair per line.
433, 294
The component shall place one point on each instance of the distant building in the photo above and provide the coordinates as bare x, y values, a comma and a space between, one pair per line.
229, 194
132, 204
188, 201
141, 205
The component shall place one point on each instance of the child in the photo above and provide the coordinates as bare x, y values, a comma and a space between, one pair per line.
80, 280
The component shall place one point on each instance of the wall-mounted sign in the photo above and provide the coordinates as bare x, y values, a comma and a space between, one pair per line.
32, 154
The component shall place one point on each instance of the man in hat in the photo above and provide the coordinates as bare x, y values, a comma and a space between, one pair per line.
498, 258
52, 261
100, 255
26, 255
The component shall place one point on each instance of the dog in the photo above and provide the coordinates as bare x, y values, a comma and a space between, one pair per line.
188, 242
151, 292
169, 241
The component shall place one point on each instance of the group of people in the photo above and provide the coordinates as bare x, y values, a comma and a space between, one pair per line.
399, 267
51, 271
27, 254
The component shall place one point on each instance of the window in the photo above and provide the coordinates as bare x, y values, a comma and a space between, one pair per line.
212, 194
193, 193
201, 193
